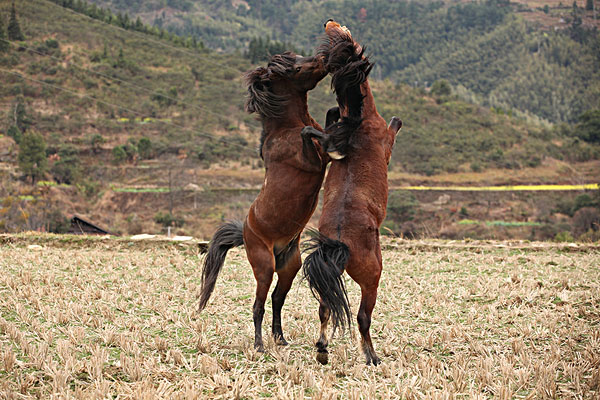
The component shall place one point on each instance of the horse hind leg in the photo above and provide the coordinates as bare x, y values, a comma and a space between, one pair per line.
322, 353
263, 266
287, 265
365, 311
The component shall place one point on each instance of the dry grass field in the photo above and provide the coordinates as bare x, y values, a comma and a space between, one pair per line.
112, 319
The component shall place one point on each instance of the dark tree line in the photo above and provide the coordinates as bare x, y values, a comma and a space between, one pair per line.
124, 21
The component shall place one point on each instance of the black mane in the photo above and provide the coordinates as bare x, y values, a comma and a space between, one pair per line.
261, 98
349, 67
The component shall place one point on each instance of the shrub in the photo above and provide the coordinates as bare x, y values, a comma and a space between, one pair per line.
119, 155
168, 219
57, 222
144, 147
586, 219
96, 142
401, 206
564, 236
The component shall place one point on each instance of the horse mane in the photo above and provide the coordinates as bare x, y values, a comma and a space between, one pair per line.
345, 59
261, 98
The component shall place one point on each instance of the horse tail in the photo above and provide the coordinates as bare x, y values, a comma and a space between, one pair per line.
323, 269
227, 236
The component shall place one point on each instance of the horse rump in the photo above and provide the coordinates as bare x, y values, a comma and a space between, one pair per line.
227, 236
323, 269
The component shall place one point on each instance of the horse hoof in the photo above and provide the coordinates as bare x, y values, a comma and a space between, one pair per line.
282, 342
323, 357
259, 348
375, 361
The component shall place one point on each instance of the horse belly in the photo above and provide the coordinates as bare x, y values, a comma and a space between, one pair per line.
282, 209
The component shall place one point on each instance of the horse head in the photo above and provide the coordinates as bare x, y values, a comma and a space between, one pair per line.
286, 75
345, 60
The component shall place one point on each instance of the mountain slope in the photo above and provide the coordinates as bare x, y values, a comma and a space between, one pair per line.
486, 47
79, 78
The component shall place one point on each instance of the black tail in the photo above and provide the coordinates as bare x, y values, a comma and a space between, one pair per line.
227, 236
323, 269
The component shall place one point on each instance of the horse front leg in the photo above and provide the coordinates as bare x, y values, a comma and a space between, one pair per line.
311, 157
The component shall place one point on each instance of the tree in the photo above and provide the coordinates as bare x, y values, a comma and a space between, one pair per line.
144, 148
3, 43
441, 88
589, 5
15, 133
588, 127
14, 30
96, 142
32, 156
20, 119
67, 168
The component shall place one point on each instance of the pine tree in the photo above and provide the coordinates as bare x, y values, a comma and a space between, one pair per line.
32, 156
14, 30
3, 43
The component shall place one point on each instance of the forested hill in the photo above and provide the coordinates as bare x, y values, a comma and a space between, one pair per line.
489, 50
104, 89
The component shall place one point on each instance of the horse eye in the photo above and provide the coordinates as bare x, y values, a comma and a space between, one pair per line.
298, 69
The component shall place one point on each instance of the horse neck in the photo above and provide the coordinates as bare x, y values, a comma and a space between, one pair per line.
295, 114
368, 107
368, 102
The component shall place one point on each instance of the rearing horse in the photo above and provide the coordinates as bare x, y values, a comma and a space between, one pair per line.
295, 167
356, 193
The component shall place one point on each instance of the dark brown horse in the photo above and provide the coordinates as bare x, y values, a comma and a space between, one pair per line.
356, 193
295, 167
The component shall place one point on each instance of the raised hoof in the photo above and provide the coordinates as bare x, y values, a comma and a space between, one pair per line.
323, 357
306, 131
336, 155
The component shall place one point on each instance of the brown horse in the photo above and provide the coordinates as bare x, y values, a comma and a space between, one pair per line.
295, 167
356, 193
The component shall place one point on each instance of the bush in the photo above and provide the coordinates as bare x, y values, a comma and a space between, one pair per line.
167, 219
144, 147
401, 206
119, 154
586, 219
96, 142
57, 222
564, 236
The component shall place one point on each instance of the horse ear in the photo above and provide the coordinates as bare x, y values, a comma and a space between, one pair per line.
395, 124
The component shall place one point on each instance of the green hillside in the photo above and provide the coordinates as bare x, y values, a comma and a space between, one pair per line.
485, 47
137, 128
115, 95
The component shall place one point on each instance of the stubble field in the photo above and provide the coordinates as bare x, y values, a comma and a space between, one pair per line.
111, 319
